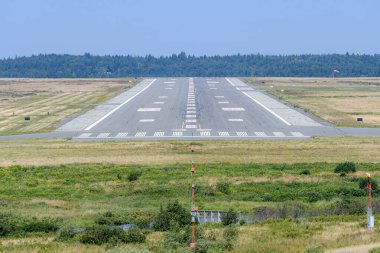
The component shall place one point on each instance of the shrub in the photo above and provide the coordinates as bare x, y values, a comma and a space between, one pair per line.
230, 235
9, 223
134, 175
172, 215
376, 250
134, 235
104, 234
66, 235
230, 217
43, 225
314, 196
209, 191
305, 172
345, 167
223, 187
363, 184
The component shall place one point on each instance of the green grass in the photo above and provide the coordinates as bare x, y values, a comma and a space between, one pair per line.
79, 194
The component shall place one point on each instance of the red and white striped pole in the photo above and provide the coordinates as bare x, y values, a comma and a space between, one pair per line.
194, 208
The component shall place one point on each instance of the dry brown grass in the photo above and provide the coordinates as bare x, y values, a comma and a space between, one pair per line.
339, 101
59, 151
60, 98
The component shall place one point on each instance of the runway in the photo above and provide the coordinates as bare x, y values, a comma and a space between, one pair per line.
203, 108
195, 109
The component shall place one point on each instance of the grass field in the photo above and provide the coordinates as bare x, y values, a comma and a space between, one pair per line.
49, 101
321, 149
78, 194
340, 101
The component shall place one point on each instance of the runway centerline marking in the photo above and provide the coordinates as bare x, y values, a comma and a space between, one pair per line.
158, 103
162, 96
223, 102
119, 106
219, 96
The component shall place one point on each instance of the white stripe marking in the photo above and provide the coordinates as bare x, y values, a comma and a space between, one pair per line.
266, 108
242, 134
191, 112
224, 134
159, 103
121, 135
191, 121
191, 116
146, 120
177, 133
168, 88
279, 134
158, 134
205, 133
231, 109
297, 134
169, 82
149, 109
260, 134
223, 102
118, 107
103, 135
84, 135
191, 126
235, 120
219, 96
162, 96
140, 134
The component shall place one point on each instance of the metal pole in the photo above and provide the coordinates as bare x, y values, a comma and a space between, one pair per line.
194, 208
370, 217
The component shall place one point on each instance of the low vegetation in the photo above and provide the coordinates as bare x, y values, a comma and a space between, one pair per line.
49, 101
339, 101
286, 206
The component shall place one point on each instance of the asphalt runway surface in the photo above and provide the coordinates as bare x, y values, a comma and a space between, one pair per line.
196, 108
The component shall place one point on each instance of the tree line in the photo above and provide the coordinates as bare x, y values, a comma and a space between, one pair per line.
93, 66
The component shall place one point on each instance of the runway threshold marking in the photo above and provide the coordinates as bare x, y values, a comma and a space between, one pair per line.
119, 106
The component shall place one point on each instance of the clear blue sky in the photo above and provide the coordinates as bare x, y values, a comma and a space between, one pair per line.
163, 27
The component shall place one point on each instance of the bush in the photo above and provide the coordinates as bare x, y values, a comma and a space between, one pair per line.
305, 172
43, 225
363, 184
8, 224
223, 187
133, 176
173, 214
345, 167
230, 235
314, 196
66, 235
230, 217
104, 234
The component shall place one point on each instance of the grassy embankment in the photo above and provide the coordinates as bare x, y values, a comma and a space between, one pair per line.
339, 101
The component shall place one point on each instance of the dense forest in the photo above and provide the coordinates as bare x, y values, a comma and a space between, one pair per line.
87, 65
